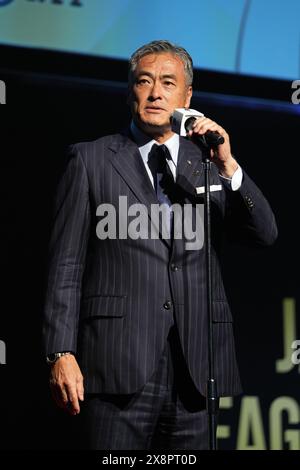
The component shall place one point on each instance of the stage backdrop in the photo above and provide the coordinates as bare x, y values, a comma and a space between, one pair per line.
243, 36
50, 104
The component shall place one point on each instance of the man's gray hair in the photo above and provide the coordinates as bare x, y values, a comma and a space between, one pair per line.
158, 47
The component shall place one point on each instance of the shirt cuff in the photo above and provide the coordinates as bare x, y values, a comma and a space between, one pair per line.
235, 182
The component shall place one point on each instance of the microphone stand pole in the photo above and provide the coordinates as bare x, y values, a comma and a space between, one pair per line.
212, 402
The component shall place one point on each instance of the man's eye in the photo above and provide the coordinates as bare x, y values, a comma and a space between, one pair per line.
168, 83
142, 81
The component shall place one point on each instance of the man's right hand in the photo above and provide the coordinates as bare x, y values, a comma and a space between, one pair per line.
66, 382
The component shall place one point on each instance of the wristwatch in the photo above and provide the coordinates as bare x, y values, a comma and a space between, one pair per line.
52, 358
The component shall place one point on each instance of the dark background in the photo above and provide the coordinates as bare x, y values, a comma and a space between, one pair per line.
54, 99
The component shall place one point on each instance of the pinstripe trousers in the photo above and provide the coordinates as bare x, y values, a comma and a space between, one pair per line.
167, 413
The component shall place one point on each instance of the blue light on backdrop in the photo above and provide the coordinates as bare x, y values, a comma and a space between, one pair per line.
240, 36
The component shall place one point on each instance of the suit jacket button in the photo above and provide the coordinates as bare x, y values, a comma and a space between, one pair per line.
249, 202
168, 305
174, 267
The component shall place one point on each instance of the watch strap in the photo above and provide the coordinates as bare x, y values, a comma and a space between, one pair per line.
52, 358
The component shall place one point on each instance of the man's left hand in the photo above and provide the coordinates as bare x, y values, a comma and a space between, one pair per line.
222, 155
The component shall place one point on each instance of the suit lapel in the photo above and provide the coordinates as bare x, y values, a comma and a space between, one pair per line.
127, 160
189, 167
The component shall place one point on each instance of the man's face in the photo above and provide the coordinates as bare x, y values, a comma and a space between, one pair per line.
158, 87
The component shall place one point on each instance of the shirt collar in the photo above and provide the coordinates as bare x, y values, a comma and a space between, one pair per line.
145, 142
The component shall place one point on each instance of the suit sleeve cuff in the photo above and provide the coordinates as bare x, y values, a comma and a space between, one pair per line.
235, 182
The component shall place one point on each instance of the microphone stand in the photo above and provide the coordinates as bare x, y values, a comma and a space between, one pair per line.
211, 395
212, 402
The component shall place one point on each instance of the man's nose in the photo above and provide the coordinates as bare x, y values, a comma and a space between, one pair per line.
155, 92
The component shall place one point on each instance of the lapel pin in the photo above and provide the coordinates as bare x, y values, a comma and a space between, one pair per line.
189, 162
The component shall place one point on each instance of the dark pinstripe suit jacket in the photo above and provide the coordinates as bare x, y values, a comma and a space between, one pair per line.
105, 298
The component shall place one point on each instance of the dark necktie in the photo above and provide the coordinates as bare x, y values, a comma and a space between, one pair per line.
164, 183
162, 174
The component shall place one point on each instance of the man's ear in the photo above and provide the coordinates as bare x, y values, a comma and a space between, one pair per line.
188, 98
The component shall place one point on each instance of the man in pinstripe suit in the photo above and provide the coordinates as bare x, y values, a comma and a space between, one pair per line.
125, 325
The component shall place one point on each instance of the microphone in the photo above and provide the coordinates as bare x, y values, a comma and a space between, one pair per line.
182, 123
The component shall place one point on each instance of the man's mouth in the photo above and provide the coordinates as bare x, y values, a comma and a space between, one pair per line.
153, 109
